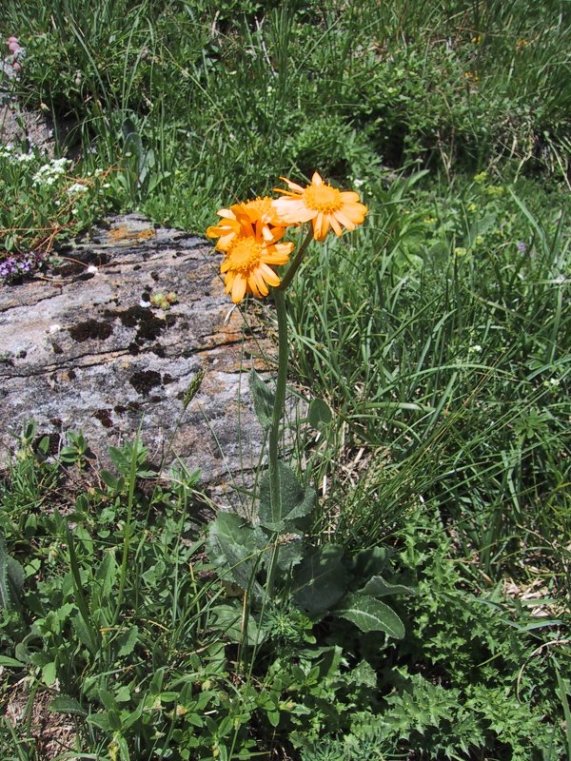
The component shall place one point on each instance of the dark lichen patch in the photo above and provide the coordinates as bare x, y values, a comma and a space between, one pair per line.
144, 380
133, 348
167, 378
95, 257
148, 325
71, 375
91, 329
120, 409
56, 348
104, 417
159, 351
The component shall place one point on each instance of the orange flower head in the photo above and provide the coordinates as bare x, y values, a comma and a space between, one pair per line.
321, 203
257, 212
248, 261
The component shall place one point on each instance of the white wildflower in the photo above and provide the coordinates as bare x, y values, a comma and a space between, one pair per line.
77, 187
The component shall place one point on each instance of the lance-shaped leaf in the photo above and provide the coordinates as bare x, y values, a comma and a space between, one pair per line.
320, 580
11, 577
378, 587
296, 502
370, 615
263, 398
236, 547
231, 622
318, 414
370, 562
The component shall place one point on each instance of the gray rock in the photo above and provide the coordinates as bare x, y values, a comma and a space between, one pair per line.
20, 125
82, 349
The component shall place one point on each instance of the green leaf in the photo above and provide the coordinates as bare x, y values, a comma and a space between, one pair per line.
127, 641
193, 388
319, 413
320, 580
370, 615
378, 587
49, 673
66, 704
11, 577
229, 620
371, 562
263, 399
297, 502
236, 547
291, 553
364, 675
10, 662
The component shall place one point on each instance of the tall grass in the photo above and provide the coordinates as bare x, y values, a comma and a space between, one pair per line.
438, 335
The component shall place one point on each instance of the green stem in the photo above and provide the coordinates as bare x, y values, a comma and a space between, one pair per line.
288, 277
127, 532
279, 400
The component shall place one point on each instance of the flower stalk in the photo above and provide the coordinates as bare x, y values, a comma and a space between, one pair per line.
250, 240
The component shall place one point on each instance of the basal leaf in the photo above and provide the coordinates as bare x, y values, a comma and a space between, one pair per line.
68, 705
319, 413
320, 580
236, 546
297, 501
370, 615
378, 587
263, 399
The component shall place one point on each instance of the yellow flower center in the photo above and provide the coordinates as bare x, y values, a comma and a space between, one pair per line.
322, 198
245, 254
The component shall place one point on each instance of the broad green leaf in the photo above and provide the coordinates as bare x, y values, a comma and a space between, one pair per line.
127, 641
85, 634
320, 580
291, 553
263, 399
66, 704
49, 673
371, 562
8, 662
297, 502
236, 547
363, 674
370, 615
318, 413
229, 620
378, 587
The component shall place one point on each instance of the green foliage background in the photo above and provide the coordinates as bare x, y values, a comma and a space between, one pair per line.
437, 337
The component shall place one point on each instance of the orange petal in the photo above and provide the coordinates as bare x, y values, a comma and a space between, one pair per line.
269, 275
292, 185
337, 229
293, 210
349, 196
238, 288
345, 220
253, 286
260, 283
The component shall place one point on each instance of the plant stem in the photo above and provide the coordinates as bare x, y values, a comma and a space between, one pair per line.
288, 277
279, 400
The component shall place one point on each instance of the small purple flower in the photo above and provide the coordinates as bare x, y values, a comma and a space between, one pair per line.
11, 268
521, 246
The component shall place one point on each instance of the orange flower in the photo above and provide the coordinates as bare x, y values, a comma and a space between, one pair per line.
248, 261
258, 211
321, 203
